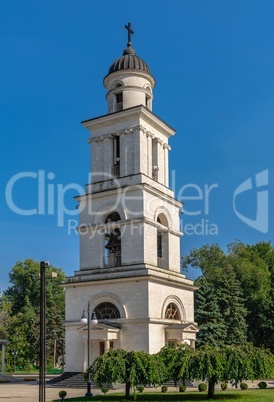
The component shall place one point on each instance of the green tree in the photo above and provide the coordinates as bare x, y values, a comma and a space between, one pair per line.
212, 327
232, 308
20, 307
208, 258
242, 279
254, 268
217, 364
128, 367
3, 334
176, 360
230, 363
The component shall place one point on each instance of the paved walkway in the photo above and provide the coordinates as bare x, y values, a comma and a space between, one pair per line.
21, 392
18, 392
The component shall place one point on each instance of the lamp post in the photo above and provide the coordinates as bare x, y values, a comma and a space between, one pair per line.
42, 343
87, 321
14, 353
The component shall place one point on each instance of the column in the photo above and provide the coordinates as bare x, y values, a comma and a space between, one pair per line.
143, 151
3, 358
107, 157
125, 156
166, 172
97, 165
149, 153
136, 151
160, 161
107, 344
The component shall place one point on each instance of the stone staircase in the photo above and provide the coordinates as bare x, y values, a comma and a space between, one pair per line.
76, 380
71, 380
188, 384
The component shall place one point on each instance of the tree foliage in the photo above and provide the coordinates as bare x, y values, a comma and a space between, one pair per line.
241, 279
20, 308
128, 367
254, 267
176, 358
217, 364
212, 327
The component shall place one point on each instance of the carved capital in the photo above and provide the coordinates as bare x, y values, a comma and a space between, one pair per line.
166, 146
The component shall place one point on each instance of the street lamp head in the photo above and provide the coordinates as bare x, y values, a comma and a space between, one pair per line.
44, 264
94, 319
84, 320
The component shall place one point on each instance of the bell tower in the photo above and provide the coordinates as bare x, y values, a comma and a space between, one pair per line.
126, 90
129, 227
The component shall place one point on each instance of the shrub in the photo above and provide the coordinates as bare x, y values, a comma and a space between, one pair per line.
164, 388
182, 388
262, 385
223, 386
105, 390
140, 388
28, 367
243, 385
202, 387
62, 395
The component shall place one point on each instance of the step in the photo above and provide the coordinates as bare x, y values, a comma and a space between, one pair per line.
72, 380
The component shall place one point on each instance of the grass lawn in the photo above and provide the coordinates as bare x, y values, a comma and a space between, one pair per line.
252, 395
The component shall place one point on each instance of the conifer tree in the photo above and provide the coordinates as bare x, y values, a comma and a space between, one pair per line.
231, 304
208, 316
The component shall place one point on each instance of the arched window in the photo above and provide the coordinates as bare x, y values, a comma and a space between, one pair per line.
172, 312
118, 84
106, 311
162, 220
112, 242
113, 217
162, 242
116, 155
118, 98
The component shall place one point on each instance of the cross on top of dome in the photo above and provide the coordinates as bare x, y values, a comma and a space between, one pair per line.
129, 60
129, 32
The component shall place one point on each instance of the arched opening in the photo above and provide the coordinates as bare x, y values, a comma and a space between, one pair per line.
148, 97
162, 242
113, 217
172, 312
106, 311
162, 219
116, 155
118, 97
119, 101
112, 256
148, 101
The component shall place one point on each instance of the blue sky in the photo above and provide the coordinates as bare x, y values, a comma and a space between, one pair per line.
213, 62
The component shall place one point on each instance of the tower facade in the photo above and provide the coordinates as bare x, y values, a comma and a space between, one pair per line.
129, 229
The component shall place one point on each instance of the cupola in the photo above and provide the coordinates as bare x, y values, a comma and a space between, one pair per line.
129, 82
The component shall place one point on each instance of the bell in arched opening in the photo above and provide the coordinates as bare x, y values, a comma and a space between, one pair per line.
113, 241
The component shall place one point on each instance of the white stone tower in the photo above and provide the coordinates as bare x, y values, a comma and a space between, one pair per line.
129, 229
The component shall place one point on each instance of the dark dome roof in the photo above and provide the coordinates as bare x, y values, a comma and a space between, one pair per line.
129, 60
